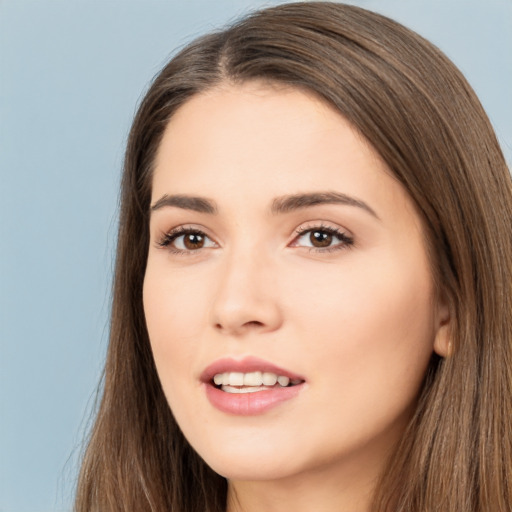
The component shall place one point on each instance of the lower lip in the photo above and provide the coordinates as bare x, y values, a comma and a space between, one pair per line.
250, 404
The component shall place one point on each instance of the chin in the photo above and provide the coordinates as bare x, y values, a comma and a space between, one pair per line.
250, 459
240, 469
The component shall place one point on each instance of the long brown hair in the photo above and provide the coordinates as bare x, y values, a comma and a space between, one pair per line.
418, 112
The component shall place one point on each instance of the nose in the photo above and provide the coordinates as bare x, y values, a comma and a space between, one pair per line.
247, 297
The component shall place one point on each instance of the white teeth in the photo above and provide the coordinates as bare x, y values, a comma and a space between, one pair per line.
236, 379
269, 379
251, 380
249, 389
283, 381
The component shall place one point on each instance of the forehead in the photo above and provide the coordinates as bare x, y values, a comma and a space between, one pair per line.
255, 115
229, 140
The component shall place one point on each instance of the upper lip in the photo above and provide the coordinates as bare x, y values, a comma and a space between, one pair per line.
245, 365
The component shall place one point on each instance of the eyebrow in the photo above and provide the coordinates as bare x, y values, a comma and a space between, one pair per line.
298, 201
196, 204
280, 205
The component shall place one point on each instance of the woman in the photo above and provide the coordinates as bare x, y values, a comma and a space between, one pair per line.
312, 297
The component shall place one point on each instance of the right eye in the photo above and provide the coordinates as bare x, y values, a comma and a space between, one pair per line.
186, 240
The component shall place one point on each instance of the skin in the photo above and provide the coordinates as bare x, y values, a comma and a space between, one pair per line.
358, 321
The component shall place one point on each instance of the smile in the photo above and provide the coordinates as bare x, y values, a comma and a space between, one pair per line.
252, 382
250, 386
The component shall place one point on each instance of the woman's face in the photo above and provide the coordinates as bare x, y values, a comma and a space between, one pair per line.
281, 246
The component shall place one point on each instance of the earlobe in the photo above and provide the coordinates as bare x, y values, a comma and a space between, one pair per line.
443, 345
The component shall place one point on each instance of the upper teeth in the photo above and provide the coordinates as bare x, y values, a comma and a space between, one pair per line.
250, 379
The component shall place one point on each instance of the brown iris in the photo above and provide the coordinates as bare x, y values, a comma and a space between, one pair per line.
320, 238
193, 241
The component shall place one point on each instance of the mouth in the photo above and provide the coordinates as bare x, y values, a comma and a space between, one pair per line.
252, 382
249, 386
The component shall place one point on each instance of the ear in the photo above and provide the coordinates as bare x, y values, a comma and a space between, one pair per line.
443, 345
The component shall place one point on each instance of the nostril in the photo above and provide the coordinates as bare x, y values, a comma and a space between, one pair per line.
254, 323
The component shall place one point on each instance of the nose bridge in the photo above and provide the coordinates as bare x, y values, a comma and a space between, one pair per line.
245, 298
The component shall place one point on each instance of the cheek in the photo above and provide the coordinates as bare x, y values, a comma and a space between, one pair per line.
368, 332
175, 319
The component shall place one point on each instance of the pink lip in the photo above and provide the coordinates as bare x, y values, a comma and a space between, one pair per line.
247, 404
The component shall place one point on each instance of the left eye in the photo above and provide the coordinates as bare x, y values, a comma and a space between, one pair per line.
322, 238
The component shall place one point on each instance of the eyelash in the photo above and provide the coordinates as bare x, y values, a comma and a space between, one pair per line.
169, 238
345, 241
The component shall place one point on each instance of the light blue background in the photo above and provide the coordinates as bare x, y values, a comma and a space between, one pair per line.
71, 75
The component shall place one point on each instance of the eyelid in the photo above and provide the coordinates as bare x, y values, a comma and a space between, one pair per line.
345, 237
321, 225
165, 239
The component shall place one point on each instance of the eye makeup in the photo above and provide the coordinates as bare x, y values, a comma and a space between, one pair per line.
322, 238
315, 237
185, 240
